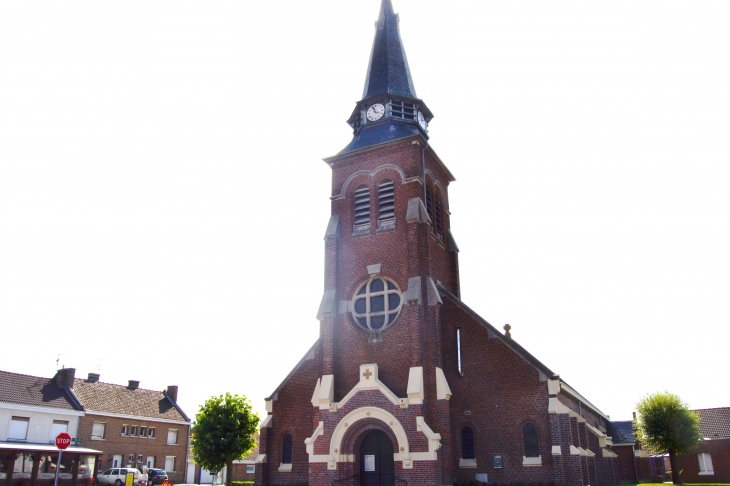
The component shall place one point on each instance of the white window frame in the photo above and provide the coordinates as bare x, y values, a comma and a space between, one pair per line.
168, 437
96, 436
142, 431
133, 431
250, 468
151, 433
705, 461
18, 426
125, 429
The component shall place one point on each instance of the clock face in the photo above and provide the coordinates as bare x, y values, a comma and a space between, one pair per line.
375, 112
422, 120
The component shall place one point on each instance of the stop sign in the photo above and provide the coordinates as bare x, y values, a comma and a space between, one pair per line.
63, 440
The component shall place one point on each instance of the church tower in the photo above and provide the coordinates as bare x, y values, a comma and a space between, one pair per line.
371, 403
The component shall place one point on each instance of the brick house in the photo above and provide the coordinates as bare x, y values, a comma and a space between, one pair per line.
33, 412
710, 463
406, 382
131, 425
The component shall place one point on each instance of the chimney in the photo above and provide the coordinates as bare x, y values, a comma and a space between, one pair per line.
133, 384
65, 377
93, 378
172, 393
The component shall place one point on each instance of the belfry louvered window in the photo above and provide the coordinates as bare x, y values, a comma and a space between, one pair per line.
429, 202
386, 206
437, 222
361, 224
402, 110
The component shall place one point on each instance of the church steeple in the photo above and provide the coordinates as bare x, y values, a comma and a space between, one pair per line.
389, 109
388, 71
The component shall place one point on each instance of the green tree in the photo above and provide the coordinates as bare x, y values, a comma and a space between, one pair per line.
223, 432
665, 423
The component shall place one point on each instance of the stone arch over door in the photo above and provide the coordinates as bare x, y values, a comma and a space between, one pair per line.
388, 423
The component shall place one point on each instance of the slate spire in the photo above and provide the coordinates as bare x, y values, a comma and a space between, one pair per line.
388, 71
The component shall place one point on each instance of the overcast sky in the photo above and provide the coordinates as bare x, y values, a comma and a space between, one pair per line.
163, 199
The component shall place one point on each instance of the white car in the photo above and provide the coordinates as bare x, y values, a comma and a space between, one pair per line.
117, 475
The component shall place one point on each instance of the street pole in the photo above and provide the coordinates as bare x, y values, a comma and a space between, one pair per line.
58, 467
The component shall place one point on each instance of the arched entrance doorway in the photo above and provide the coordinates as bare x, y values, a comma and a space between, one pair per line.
376, 460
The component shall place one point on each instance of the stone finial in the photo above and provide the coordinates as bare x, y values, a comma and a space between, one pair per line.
507, 334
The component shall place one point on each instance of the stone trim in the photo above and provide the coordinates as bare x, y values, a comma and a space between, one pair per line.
556, 450
371, 173
416, 211
309, 442
554, 406
363, 413
285, 468
443, 392
434, 441
413, 294
639, 453
327, 305
370, 382
415, 385
467, 463
531, 461
266, 422
603, 440
261, 458
607, 453
333, 226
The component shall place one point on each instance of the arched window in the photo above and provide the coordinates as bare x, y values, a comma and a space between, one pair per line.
286, 444
467, 443
361, 224
429, 202
531, 444
386, 206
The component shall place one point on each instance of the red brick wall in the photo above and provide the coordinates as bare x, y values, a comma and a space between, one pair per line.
719, 451
116, 444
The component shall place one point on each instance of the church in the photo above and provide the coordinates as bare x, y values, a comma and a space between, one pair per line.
406, 384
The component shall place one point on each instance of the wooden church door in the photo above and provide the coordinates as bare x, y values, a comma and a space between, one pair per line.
376, 460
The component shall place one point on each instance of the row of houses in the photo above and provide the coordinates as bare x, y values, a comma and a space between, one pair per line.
709, 463
110, 426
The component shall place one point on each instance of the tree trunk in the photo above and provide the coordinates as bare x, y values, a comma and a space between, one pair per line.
673, 464
229, 473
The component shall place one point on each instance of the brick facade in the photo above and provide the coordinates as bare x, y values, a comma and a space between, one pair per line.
116, 444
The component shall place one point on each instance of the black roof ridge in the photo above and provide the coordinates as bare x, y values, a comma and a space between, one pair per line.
711, 408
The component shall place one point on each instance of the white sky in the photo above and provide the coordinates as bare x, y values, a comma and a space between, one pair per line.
163, 199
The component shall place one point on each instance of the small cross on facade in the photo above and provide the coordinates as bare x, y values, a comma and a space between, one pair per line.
367, 374
402, 449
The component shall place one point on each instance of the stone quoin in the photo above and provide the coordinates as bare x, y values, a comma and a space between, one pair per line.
406, 382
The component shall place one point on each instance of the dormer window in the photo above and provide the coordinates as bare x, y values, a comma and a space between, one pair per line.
361, 224
386, 206
402, 110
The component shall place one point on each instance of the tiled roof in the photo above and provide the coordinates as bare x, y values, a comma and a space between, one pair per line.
714, 422
33, 391
119, 399
622, 432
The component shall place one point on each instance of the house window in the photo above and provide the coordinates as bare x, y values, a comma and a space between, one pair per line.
133, 431
467, 443
386, 206
98, 430
286, 449
143, 431
170, 464
376, 304
151, 433
361, 225
531, 444
705, 463
172, 437
458, 350
250, 468
58, 427
125, 429
18, 429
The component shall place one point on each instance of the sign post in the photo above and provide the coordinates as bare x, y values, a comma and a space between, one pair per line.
63, 440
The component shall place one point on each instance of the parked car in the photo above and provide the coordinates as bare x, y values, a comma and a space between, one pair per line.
117, 475
156, 476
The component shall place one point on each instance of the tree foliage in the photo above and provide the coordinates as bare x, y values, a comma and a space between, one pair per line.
665, 423
223, 431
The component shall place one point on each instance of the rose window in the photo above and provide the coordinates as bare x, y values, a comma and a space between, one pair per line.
376, 304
